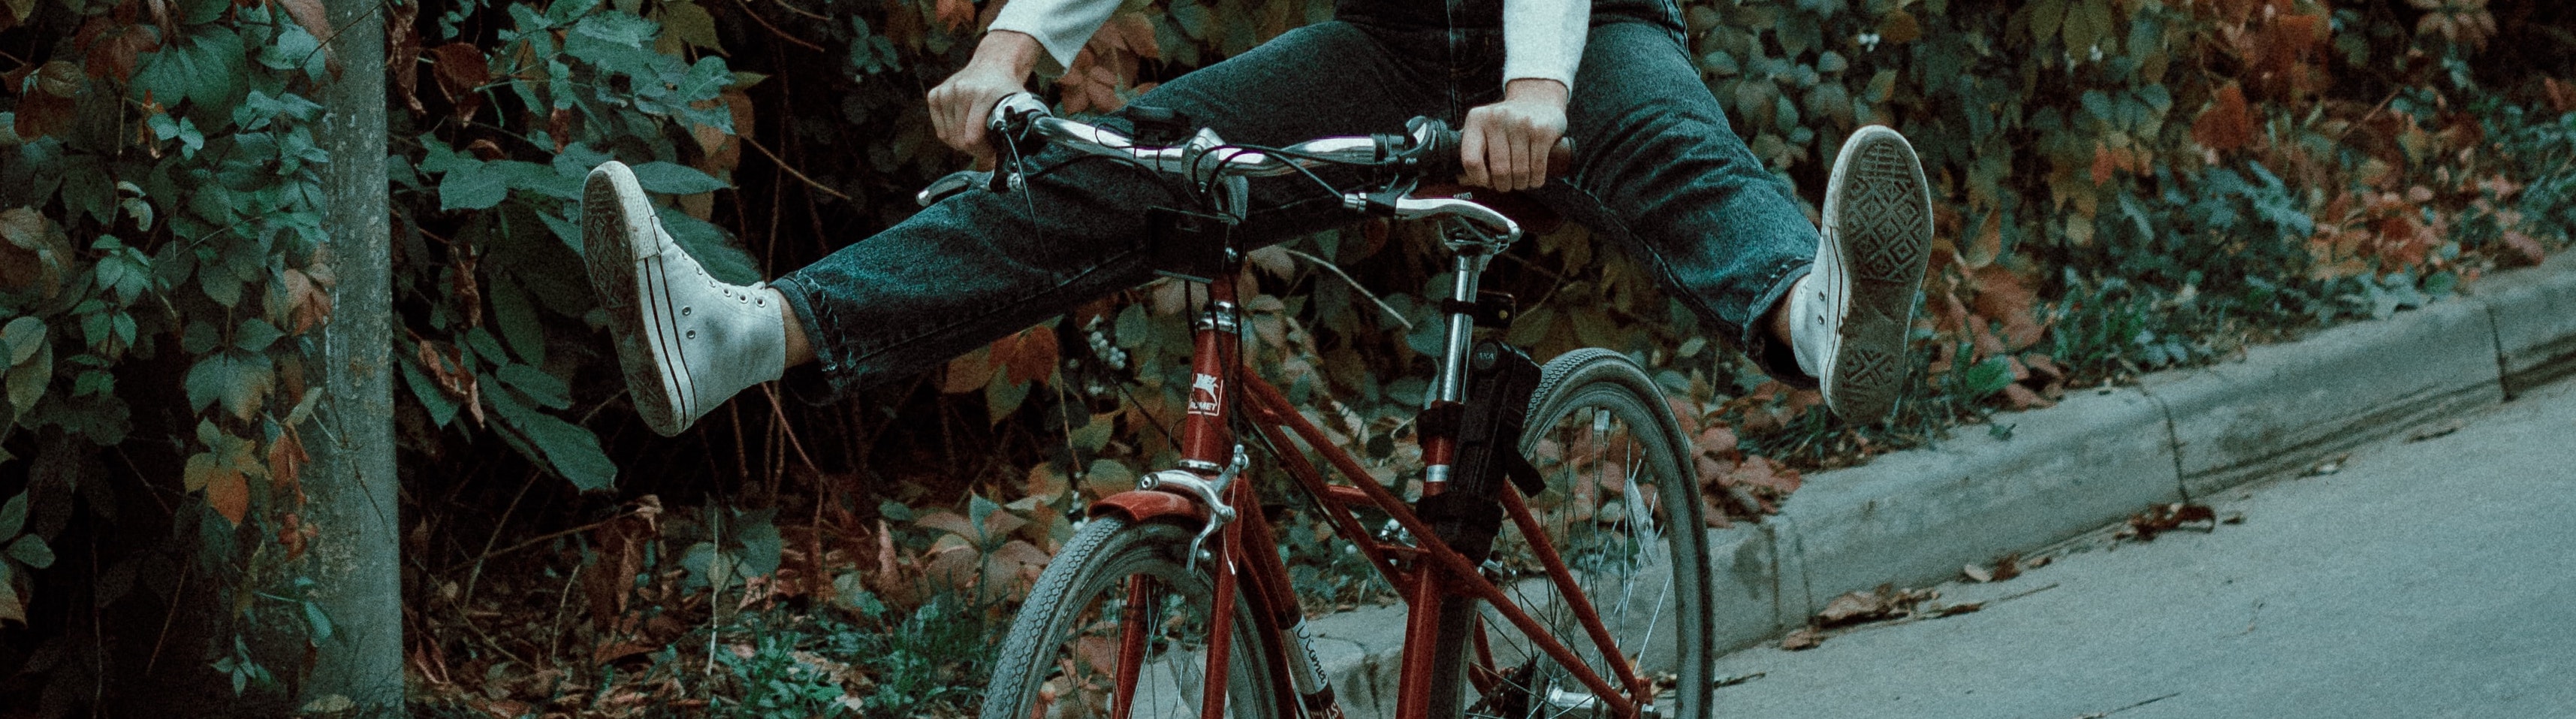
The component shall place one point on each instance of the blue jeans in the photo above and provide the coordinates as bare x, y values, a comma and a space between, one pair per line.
1657, 171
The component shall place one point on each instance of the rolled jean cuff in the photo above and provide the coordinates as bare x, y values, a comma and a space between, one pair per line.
1776, 358
822, 382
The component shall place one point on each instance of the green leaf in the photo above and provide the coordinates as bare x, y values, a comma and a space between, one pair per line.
2088, 24
471, 187
979, 509
517, 319
256, 335
618, 27
13, 516
1003, 396
542, 179
320, 622
199, 12
205, 68
30, 550
543, 388
23, 336
761, 545
1133, 328
1987, 378
441, 409
485, 345
569, 449
2046, 18
691, 24
708, 567
27, 381
705, 80
239, 380
675, 179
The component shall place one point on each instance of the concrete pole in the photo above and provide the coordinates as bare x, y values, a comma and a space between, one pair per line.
351, 486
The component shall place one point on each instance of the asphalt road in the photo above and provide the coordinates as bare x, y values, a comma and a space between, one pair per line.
2431, 577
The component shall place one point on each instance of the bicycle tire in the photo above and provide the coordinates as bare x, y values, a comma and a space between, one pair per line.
1599, 388
1041, 652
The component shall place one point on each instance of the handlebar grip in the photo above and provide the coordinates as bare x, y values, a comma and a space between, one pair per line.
1446, 142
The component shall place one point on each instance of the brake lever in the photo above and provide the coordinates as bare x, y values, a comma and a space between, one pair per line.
951, 184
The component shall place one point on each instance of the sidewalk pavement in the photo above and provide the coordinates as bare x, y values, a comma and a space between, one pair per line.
2425, 577
1914, 518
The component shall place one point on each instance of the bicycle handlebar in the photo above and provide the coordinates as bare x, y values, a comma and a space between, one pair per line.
1431, 141
1429, 149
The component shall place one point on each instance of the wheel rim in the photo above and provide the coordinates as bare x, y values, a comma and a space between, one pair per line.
1604, 511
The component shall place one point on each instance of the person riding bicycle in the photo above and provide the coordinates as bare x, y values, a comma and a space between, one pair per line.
1657, 169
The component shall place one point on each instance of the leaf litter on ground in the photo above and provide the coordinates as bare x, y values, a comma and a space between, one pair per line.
2144, 526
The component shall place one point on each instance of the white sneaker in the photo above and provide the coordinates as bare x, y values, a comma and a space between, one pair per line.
686, 341
1850, 315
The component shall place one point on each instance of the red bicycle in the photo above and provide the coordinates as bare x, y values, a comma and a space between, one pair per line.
1554, 564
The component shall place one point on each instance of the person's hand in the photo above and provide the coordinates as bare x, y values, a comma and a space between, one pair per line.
960, 104
1504, 145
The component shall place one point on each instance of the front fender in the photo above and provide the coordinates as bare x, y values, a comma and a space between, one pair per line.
1138, 506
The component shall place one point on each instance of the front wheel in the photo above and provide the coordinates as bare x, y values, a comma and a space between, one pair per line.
1062, 657
1623, 513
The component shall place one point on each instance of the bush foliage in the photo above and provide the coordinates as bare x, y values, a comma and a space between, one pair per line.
2124, 185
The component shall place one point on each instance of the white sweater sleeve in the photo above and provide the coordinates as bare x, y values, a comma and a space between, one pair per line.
1542, 39
1061, 26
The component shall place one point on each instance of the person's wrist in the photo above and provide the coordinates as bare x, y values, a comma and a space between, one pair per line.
1007, 51
1537, 89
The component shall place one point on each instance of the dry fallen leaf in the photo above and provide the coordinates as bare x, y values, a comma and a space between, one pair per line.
1885, 602
2144, 526
1951, 610
2007, 566
1802, 640
2439, 430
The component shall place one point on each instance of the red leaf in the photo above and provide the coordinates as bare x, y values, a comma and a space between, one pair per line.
460, 69
1029, 355
1762, 473
2226, 125
1900, 27
2023, 398
2562, 96
286, 459
2005, 296
227, 491
956, 14
969, 372
308, 302
41, 114
112, 49
2526, 251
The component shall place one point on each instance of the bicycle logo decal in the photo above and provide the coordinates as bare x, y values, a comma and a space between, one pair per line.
1205, 395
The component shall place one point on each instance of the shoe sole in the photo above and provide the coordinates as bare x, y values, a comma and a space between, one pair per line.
623, 255
1880, 210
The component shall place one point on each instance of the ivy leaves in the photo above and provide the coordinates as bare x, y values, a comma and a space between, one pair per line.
203, 69
29, 364
19, 554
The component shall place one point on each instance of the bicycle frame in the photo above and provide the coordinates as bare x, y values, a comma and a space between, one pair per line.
1427, 573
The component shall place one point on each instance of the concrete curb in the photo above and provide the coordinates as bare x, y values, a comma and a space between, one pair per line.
1915, 517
